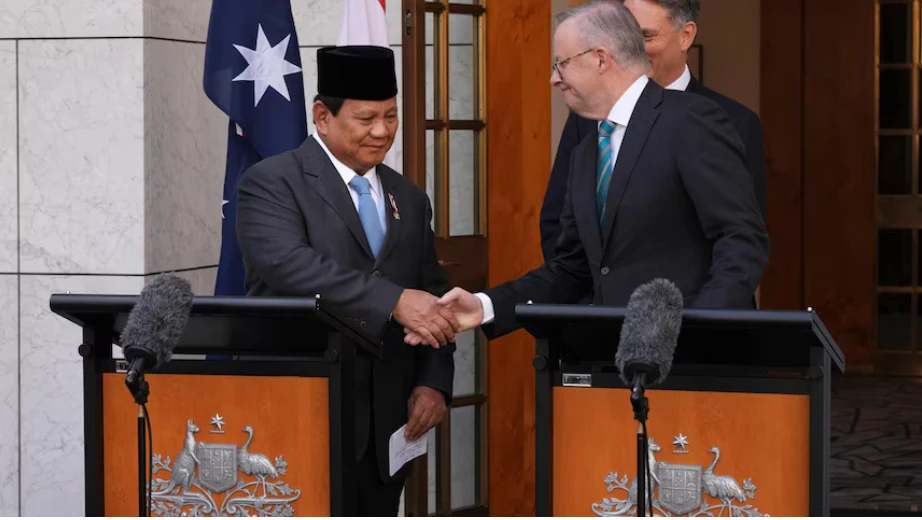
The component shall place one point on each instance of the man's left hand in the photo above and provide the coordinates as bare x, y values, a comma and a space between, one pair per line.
426, 409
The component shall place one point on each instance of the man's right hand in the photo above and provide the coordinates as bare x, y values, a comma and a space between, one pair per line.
466, 308
419, 312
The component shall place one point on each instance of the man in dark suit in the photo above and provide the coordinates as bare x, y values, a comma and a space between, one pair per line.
328, 218
669, 28
663, 191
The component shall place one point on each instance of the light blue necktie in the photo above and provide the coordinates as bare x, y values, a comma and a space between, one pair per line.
603, 176
368, 213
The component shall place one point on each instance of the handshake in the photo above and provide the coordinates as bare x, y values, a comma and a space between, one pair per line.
434, 321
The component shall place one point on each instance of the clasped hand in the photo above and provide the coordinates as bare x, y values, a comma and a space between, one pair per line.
434, 321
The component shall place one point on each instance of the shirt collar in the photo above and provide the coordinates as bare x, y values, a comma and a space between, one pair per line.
624, 107
682, 82
347, 173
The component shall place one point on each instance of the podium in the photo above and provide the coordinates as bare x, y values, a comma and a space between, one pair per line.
269, 436
741, 426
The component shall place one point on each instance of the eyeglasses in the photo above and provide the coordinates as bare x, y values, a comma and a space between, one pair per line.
556, 66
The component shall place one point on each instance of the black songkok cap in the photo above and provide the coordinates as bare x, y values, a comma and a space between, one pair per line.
363, 72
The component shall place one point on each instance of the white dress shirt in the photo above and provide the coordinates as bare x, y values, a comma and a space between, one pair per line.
377, 192
682, 82
620, 115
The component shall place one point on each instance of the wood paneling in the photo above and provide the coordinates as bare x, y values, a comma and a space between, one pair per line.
289, 417
763, 437
818, 118
518, 165
781, 115
464, 260
839, 185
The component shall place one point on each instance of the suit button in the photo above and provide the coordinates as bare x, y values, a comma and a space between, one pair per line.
605, 271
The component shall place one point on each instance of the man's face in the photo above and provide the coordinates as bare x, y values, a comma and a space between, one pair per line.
574, 74
361, 134
666, 46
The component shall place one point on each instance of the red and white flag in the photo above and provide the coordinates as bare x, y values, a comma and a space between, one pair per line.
365, 23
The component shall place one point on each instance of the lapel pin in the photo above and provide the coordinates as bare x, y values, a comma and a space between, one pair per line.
394, 205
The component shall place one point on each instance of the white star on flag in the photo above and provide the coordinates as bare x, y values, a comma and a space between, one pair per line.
223, 203
266, 66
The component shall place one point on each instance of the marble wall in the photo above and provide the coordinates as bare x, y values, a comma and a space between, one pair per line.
111, 170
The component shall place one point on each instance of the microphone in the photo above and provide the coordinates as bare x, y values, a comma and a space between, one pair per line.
649, 335
155, 324
645, 350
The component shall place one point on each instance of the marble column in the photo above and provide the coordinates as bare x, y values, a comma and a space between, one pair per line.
111, 172
9, 288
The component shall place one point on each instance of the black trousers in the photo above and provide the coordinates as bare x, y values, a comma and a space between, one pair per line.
374, 496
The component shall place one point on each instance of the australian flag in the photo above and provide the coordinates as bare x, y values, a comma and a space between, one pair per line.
253, 74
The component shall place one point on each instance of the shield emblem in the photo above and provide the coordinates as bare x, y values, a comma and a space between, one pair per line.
679, 489
217, 468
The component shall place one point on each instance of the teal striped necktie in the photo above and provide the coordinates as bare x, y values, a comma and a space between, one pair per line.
606, 165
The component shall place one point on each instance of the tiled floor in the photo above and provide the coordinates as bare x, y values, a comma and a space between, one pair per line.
877, 445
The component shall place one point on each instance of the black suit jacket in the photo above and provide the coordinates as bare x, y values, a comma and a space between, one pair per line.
300, 235
744, 120
680, 206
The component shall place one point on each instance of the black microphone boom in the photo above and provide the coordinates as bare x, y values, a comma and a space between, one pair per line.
155, 324
648, 339
154, 327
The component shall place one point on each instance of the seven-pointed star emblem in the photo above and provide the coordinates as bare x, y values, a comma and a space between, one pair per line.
217, 421
680, 440
266, 66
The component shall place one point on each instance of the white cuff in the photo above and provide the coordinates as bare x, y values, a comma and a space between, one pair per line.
487, 307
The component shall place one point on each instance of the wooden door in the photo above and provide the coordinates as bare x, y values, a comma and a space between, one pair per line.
445, 153
899, 194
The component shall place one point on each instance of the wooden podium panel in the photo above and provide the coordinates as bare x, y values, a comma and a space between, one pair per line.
289, 418
763, 443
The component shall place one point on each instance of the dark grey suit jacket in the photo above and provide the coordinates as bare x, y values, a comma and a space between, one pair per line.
745, 121
680, 206
300, 235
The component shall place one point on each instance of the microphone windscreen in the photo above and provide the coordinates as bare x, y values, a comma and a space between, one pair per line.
157, 320
650, 331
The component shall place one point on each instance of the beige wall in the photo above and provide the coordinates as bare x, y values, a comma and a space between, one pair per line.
559, 110
729, 32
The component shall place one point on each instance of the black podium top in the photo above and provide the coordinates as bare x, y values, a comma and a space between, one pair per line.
227, 324
589, 334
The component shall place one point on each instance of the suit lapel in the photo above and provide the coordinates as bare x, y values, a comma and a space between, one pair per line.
585, 164
390, 185
638, 129
332, 189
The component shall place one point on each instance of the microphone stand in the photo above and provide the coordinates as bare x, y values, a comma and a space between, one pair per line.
641, 410
140, 390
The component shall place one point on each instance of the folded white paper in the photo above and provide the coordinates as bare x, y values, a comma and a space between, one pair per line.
403, 451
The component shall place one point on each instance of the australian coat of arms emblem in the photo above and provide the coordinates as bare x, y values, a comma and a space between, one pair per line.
203, 472
681, 489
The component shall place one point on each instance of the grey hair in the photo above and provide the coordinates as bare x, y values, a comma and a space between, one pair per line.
681, 11
611, 26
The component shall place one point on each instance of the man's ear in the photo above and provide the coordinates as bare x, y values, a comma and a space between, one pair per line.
604, 59
687, 35
322, 117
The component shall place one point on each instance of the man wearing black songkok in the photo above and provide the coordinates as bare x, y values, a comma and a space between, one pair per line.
329, 218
